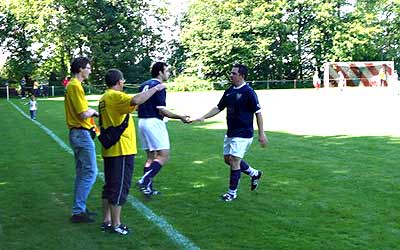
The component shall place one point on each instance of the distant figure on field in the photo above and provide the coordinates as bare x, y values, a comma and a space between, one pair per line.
44, 89
341, 80
316, 80
36, 90
66, 81
32, 107
382, 76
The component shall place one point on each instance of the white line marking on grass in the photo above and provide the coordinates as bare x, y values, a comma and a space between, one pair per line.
180, 239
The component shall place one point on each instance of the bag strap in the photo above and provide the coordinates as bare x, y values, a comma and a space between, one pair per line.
123, 125
125, 122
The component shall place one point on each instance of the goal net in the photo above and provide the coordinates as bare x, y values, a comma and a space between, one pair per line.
374, 73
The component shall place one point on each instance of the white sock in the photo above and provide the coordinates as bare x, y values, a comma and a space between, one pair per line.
232, 192
252, 172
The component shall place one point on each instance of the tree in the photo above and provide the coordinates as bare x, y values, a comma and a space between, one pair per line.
114, 34
283, 39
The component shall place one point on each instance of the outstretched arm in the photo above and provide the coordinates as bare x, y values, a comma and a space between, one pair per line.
214, 111
169, 114
144, 96
262, 138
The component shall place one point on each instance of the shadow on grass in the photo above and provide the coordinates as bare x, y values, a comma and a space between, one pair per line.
196, 151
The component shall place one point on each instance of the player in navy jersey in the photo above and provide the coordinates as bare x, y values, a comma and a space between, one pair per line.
153, 132
241, 103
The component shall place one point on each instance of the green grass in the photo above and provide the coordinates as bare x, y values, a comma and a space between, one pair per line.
332, 192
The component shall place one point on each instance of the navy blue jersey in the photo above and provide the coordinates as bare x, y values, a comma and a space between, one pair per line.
241, 105
149, 108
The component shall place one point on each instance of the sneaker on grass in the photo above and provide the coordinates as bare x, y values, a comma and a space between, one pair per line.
106, 227
121, 229
81, 218
255, 180
228, 197
150, 191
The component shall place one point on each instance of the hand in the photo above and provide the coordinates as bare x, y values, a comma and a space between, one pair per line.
94, 112
160, 87
263, 140
186, 119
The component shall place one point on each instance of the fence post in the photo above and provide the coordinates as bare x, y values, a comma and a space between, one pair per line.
267, 84
294, 83
52, 90
8, 95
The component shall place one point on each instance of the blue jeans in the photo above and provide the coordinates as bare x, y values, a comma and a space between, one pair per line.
33, 114
86, 167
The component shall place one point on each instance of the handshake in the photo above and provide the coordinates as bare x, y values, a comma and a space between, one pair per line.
187, 119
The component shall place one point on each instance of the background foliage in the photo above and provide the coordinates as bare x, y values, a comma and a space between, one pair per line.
282, 39
287, 39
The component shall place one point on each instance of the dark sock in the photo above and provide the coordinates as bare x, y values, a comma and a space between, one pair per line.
145, 170
244, 167
234, 180
155, 167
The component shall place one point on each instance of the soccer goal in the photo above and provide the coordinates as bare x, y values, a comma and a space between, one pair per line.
367, 74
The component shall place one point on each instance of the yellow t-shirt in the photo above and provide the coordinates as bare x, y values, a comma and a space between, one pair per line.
113, 107
75, 103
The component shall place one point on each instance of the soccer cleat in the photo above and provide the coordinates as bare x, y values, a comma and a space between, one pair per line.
106, 227
149, 191
121, 229
81, 218
255, 180
228, 197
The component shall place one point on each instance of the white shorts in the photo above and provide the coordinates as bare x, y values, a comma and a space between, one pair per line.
236, 146
153, 134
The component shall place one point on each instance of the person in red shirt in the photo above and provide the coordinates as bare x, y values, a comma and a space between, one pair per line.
65, 81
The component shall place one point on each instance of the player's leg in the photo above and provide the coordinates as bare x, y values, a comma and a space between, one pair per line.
106, 225
144, 142
227, 160
86, 172
158, 142
233, 180
230, 148
161, 158
119, 189
151, 155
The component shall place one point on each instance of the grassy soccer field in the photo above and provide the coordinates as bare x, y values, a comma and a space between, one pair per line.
331, 179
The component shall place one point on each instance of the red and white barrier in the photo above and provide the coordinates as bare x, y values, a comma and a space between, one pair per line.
366, 74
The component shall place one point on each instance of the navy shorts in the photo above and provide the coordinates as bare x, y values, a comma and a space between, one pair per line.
118, 176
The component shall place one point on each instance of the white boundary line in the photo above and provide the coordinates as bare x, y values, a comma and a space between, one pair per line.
180, 239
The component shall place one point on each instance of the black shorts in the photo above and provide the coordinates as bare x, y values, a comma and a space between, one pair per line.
118, 176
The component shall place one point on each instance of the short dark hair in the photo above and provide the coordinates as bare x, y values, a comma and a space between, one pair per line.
113, 76
157, 67
79, 63
242, 70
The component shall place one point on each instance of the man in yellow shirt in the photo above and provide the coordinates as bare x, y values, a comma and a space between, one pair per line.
78, 115
114, 106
